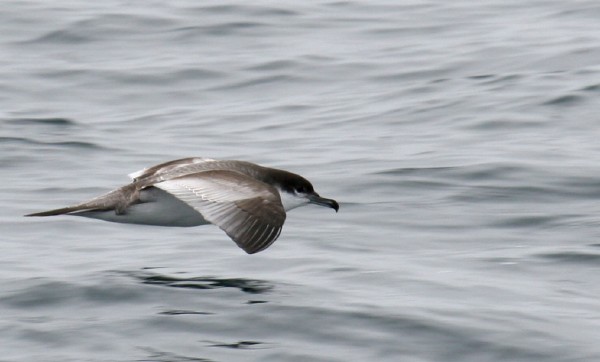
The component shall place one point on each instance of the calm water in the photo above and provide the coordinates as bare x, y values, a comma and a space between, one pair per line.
461, 139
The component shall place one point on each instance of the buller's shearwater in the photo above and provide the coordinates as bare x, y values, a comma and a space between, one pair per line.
245, 200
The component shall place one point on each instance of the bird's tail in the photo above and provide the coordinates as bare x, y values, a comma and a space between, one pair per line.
116, 200
61, 211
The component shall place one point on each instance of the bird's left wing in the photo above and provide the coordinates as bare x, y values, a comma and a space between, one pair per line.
168, 167
249, 211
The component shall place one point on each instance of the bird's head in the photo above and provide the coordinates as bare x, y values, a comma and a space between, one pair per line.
296, 191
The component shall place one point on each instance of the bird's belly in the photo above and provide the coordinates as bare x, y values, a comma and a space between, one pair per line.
157, 207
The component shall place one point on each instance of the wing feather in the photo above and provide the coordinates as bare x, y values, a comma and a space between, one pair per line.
249, 211
169, 166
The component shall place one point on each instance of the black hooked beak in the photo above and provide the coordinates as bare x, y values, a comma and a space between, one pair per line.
314, 198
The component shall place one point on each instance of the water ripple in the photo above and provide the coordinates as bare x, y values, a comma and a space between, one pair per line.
64, 144
565, 100
162, 356
61, 37
246, 10
43, 293
62, 122
572, 257
239, 28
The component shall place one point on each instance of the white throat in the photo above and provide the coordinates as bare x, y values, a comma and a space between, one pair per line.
291, 201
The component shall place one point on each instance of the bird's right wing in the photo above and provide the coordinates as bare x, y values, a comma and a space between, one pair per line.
249, 211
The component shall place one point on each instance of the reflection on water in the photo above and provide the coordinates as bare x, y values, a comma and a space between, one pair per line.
161, 356
251, 286
238, 345
574, 257
183, 312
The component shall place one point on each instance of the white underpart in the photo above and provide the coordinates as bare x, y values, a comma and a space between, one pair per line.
157, 208
292, 201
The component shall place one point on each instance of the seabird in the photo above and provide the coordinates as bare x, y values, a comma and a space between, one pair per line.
247, 201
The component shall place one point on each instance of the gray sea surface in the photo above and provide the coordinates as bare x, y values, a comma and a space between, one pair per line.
461, 138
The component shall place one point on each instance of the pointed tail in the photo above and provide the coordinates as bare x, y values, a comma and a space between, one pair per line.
117, 200
61, 211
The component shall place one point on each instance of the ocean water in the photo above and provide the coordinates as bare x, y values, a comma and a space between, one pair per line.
461, 139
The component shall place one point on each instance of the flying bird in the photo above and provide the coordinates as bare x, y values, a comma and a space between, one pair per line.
246, 200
